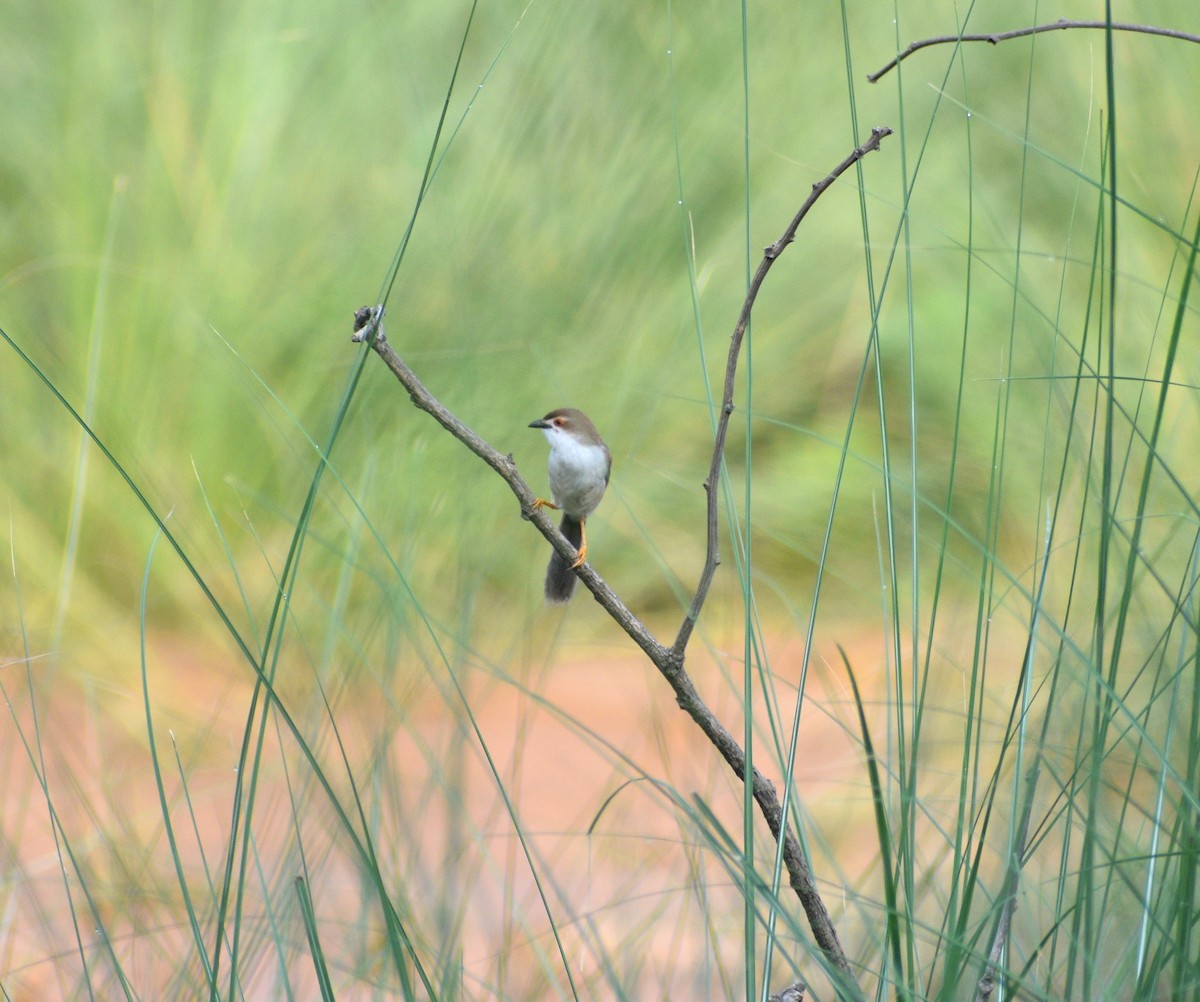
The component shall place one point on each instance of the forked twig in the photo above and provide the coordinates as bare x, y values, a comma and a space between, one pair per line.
368, 326
995, 38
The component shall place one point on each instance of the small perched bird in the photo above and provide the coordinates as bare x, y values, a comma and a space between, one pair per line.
579, 466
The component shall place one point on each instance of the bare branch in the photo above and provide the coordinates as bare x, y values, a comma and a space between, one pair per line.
1003, 36
712, 557
368, 326
800, 875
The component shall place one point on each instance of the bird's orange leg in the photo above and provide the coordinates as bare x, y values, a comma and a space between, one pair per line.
581, 556
582, 544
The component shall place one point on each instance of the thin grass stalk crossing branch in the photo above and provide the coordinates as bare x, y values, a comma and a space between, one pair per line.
994, 969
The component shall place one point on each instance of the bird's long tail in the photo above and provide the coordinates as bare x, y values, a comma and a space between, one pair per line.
560, 577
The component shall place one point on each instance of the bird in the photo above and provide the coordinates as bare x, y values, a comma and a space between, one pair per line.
579, 467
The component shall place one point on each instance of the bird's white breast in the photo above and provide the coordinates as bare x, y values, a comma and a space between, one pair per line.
578, 473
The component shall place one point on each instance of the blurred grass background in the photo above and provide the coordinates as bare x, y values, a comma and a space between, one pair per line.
196, 198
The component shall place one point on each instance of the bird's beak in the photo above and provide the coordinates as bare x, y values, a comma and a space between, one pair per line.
539, 423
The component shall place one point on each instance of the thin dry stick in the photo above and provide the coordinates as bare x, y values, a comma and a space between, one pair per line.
1004, 36
712, 558
669, 660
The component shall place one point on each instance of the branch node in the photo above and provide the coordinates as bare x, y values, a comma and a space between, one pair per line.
368, 324
792, 993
